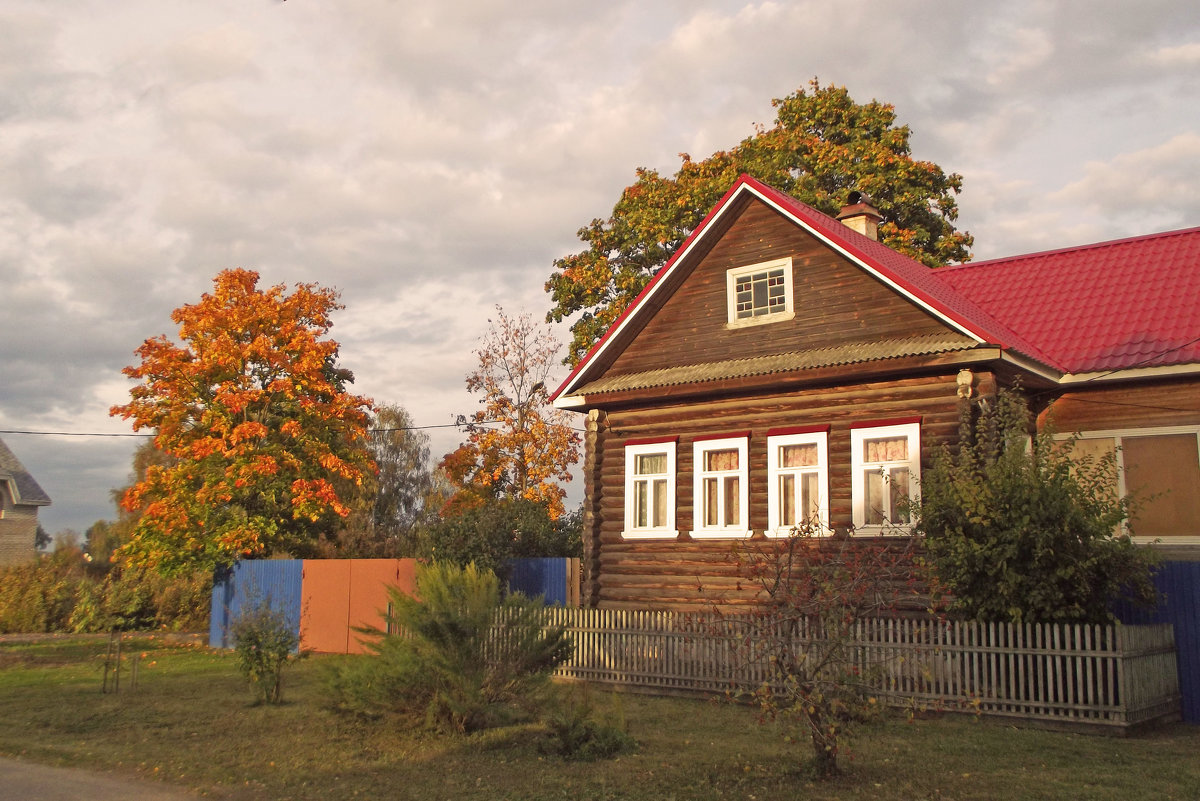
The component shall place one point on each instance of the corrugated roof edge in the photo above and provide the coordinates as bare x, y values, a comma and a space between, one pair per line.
792, 361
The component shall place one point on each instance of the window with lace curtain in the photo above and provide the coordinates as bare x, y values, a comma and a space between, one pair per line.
885, 470
650, 490
797, 480
720, 497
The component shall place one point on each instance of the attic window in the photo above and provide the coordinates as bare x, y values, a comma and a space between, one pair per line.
760, 293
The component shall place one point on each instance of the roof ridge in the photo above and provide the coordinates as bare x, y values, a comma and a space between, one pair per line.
1070, 249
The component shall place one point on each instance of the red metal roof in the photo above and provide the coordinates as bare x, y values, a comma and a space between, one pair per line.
1116, 305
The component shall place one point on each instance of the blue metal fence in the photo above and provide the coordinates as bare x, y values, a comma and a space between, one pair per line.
276, 581
549, 577
1179, 583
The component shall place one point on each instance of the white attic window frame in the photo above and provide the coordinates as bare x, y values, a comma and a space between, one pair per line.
760, 272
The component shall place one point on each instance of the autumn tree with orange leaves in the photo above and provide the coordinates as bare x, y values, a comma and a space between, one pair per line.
252, 408
518, 446
823, 145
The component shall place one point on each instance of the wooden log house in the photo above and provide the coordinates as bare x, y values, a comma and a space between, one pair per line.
785, 366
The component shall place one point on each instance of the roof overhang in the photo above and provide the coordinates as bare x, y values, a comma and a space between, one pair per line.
14, 490
783, 372
1131, 374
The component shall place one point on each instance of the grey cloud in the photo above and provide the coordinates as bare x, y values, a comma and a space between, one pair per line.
431, 159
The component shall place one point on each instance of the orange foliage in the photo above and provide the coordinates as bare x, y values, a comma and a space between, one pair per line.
518, 446
256, 416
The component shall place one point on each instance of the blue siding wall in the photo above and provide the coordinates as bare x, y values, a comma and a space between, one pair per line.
545, 577
277, 581
1179, 583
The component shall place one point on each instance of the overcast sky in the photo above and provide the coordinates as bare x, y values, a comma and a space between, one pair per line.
431, 158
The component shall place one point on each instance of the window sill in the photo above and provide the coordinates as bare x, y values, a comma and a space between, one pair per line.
893, 530
764, 319
784, 533
721, 534
650, 534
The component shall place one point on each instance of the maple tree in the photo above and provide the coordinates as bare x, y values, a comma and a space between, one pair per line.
822, 146
105, 537
518, 446
254, 414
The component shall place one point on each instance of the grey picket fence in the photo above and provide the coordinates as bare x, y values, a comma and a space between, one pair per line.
1111, 676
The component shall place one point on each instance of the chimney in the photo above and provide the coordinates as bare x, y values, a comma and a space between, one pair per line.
859, 215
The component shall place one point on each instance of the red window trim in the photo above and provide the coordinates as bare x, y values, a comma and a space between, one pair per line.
783, 432
732, 435
897, 421
650, 440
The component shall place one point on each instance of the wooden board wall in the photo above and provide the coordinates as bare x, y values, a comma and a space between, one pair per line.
1141, 404
686, 573
835, 302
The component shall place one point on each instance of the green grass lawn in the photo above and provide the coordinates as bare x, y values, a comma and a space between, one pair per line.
192, 722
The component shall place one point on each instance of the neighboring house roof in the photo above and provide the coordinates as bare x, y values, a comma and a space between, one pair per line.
1116, 305
25, 490
1111, 306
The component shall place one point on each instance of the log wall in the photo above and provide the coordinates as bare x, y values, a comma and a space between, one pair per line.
683, 573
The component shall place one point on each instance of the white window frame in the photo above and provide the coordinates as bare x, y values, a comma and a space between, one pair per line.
732, 275
774, 442
741, 528
632, 451
1116, 435
858, 467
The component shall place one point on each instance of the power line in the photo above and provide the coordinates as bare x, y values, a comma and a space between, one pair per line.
118, 434
70, 433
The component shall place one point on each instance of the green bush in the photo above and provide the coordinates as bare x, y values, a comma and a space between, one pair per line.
577, 731
1016, 529
502, 529
464, 658
264, 642
63, 592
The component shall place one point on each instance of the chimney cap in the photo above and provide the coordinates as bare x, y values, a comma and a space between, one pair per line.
860, 215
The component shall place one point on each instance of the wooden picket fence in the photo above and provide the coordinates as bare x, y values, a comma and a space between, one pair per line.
1112, 677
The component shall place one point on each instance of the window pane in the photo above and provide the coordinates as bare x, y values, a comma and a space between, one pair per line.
650, 464
787, 500
798, 455
660, 503
892, 449
873, 487
810, 498
1095, 450
710, 502
731, 501
898, 489
1164, 473
721, 460
640, 505
760, 294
